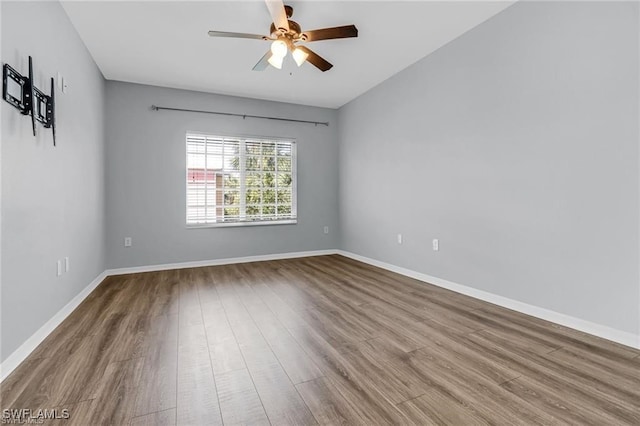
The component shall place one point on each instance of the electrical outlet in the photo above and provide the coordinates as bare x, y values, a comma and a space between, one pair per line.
66, 264
399, 238
128, 241
436, 244
326, 230
59, 265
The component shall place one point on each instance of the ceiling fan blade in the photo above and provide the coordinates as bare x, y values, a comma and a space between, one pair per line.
263, 63
278, 14
331, 33
316, 60
237, 35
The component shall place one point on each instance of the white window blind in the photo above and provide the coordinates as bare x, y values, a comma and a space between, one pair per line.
240, 180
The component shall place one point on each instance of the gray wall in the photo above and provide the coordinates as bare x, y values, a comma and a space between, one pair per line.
146, 177
52, 198
517, 146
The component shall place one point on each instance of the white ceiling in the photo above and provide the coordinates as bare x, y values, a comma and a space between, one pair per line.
165, 43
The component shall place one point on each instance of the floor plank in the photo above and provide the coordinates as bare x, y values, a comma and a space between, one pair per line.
197, 397
436, 407
160, 418
116, 393
223, 348
239, 401
157, 391
327, 404
558, 402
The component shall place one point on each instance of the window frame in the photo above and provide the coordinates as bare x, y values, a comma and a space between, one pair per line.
240, 223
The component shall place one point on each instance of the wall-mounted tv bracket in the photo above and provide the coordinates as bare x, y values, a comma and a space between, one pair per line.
20, 92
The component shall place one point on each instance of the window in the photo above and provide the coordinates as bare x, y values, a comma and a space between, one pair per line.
240, 180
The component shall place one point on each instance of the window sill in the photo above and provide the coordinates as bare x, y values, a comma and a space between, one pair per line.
241, 224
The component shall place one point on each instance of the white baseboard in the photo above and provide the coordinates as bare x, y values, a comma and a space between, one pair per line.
217, 262
618, 336
38, 337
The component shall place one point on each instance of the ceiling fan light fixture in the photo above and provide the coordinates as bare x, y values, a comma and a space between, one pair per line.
279, 48
299, 56
285, 33
276, 61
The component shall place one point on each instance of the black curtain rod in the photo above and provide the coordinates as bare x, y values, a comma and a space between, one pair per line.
158, 108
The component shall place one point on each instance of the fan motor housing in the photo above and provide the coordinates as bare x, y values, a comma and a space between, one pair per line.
294, 30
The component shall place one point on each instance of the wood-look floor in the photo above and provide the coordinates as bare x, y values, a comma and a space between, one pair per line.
317, 340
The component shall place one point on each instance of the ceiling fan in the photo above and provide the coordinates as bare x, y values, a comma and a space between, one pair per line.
286, 35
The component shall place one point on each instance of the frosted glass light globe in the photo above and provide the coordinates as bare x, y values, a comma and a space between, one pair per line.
300, 56
279, 48
276, 61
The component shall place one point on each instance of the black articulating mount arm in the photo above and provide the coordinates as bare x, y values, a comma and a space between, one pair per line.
21, 93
